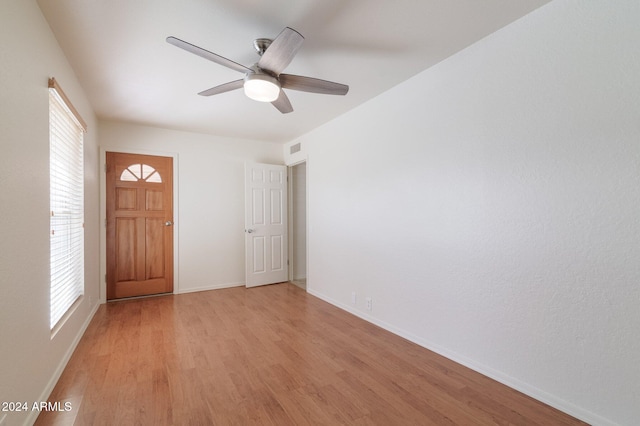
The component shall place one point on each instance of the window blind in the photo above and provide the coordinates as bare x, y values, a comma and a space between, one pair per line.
66, 203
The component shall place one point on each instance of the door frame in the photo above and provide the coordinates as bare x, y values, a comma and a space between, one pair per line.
290, 212
103, 213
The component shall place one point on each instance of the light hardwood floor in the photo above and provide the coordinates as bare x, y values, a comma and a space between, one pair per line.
270, 355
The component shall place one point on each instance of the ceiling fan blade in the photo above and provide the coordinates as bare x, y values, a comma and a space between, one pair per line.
281, 51
206, 54
227, 87
282, 103
313, 85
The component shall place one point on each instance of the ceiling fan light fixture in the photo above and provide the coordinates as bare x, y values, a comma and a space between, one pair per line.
261, 87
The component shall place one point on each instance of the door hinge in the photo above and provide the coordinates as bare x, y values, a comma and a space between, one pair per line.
105, 167
105, 223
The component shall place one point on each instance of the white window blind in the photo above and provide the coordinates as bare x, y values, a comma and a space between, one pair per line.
66, 133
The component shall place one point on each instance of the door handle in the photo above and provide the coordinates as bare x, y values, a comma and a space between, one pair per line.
168, 223
249, 231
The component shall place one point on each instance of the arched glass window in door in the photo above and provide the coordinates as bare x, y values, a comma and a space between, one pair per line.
140, 172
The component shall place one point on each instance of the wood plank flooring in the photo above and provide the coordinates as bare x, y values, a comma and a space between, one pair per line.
270, 355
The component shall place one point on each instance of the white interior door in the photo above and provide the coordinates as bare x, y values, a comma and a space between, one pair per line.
265, 224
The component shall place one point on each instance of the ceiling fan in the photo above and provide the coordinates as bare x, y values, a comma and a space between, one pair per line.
264, 81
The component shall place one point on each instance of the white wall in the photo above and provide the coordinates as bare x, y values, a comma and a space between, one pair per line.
31, 359
490, 207
209, 199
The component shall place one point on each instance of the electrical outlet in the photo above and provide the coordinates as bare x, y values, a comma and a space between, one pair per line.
353, 298
369, 303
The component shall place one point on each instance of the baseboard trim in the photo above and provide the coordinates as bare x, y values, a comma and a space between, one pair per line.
33, 415
210, 287
525, 388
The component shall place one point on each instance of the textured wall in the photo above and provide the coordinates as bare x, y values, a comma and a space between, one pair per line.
489, 207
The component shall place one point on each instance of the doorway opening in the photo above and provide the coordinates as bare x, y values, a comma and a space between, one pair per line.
298, 224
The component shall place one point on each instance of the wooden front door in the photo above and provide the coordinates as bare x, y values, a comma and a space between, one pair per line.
139, 225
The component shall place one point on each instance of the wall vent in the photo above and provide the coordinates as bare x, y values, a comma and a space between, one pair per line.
295, 148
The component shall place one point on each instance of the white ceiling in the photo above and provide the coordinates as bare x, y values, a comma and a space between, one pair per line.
118, 51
